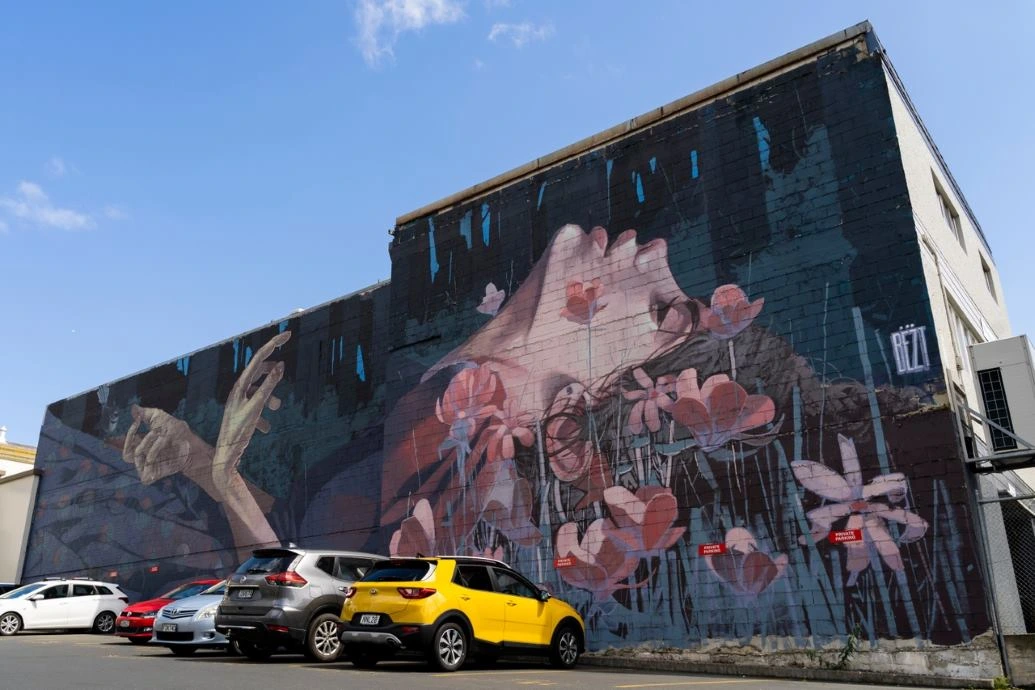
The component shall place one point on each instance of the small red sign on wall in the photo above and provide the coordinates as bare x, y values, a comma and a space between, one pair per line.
113, 574
566, 562
842, 536
711, 549
153, 569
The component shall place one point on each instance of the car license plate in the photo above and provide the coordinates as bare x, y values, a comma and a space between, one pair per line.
245, 593
123, 624
369, 619
169, 627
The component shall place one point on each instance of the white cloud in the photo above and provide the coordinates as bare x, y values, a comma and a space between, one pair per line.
380, 22
521, 34
31, 205
478, 65
56, 167
115, 213
3, 227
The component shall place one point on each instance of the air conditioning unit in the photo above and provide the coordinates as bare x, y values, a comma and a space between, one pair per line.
1005, 381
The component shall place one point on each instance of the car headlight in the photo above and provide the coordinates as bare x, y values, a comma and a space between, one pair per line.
159, 613
206, 613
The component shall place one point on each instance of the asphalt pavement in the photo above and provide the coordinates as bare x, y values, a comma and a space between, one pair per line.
55, 661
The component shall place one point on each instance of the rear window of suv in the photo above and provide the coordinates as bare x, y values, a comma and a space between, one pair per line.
399, 571
267, 561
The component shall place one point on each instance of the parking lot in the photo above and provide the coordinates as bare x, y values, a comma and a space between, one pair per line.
58, 660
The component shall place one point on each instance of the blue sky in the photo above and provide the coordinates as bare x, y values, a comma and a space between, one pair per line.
172, 174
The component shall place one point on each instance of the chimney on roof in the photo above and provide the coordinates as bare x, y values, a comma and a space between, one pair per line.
3, 434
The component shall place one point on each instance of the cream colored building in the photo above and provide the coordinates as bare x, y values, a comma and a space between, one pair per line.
18, 482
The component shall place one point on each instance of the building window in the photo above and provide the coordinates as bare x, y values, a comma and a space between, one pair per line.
989, 280
952, 218
964, 336
996, 408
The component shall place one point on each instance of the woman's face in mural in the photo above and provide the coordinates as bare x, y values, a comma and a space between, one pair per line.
595, 308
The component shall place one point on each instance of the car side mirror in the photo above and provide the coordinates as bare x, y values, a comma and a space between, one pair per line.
36, 597
544, 595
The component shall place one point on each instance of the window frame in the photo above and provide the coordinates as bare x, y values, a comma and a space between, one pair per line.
949, 213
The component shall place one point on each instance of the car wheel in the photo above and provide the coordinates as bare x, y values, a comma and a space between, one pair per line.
139, 640
362, 658
321, 641
10, 624
448, 647
183, 649
564, 650
233, 648
104, 623
253, 651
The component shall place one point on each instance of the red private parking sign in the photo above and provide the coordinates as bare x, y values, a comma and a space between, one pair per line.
843, 536
566, 562
711, 549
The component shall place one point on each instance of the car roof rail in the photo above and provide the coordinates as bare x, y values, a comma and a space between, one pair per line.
478, 559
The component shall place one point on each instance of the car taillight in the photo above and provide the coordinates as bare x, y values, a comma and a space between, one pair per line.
416, 592
350, 592
288, 579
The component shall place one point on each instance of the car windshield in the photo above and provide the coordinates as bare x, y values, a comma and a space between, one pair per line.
219, 588
267, 561
398, 571
188, 590
22, 591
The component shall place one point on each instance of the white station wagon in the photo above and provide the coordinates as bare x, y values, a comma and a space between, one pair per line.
61, 605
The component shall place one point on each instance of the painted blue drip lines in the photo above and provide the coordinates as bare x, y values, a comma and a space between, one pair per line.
361, 370
693, 164
638, 182
183, 365
465, 227
433, 258
486, 218
763, 142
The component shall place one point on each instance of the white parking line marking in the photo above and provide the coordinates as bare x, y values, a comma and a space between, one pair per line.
492, 673
672, 684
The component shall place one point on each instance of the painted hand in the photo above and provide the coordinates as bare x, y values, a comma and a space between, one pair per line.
251, 394
159, 445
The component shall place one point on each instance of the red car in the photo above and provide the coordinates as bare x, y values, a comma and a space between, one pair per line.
136, 622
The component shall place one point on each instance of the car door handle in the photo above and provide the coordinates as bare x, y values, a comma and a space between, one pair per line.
511, 603
466, 598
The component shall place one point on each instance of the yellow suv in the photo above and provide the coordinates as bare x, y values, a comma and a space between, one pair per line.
446, 608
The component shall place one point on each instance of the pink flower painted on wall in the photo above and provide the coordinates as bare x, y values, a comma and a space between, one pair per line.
851, 499
504, 500
492, 300
601, 565
644, 519
505, 426
416, 534
584, 301
652, 397
745, 569
468, 399
720, 411
730, 311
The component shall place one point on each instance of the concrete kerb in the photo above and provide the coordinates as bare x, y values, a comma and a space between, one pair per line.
781, 672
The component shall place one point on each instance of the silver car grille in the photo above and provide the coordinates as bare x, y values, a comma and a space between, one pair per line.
173, 614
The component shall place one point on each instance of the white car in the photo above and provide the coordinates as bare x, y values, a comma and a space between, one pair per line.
61, 605
188, 624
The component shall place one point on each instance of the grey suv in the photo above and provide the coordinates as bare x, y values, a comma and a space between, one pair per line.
290, 598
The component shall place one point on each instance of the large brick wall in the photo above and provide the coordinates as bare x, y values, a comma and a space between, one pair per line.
764, 238
137, 473
682, 380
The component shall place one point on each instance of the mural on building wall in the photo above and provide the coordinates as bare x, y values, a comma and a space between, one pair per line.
179, 472
681, 380
671, 381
